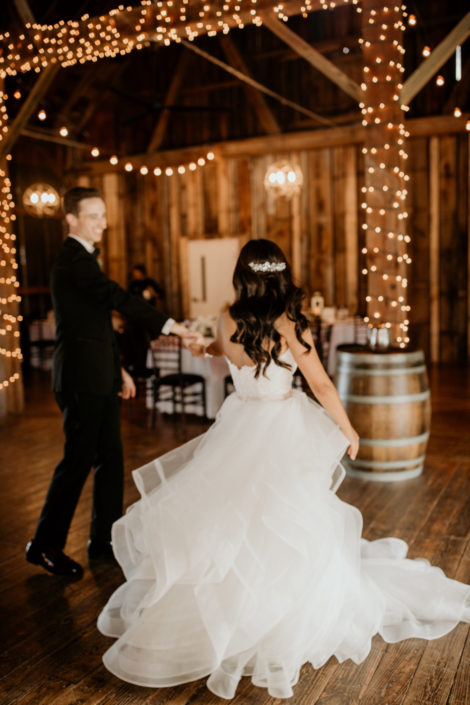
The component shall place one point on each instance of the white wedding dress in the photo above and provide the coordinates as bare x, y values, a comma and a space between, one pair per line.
241, 560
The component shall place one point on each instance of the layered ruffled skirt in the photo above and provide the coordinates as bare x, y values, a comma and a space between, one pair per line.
240, 560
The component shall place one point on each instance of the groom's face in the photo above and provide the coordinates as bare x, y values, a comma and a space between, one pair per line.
90, 221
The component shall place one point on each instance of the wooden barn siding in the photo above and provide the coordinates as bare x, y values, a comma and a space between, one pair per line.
321, 228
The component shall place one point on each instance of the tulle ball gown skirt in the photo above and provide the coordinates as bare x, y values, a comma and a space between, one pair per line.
240, 559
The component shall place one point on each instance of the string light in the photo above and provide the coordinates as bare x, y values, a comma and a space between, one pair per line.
426, 51
440, 80
63, 132
181, 168
42, 115
457, 112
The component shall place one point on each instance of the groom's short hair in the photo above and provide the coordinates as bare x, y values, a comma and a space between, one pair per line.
73, 197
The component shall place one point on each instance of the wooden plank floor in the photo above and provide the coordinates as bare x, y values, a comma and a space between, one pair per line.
51, 649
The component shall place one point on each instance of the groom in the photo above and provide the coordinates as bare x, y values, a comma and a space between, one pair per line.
87, 379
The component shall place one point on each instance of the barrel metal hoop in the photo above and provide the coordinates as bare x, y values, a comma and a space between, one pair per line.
398, 399
359, 371
384, 476
393, 442
381, 358
385, 464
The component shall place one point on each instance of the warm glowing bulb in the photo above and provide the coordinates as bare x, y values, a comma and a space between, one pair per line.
144, 170
412, 20
440, 80
95, 152
157, 171
63, 131
210, 156
169, 171
42, 115
426, 51
128, 166
457, 112
113, 160
467, 125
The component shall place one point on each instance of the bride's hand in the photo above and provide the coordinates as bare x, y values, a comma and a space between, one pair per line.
353, 438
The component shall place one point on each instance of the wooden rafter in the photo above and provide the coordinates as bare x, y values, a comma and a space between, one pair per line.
97, 92
256, 84
80, 89
39, 89
433, 63
265, 116
27, 109
307, 52
172, 94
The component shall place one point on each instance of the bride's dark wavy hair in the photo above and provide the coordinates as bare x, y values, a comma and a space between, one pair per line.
261, 297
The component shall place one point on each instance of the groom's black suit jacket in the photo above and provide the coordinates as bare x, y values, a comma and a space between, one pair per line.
86, 357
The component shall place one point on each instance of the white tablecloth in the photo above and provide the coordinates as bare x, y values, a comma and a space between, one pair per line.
342, 333
214, 371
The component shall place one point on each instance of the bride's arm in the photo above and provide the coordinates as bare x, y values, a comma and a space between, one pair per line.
317, 379
214, 348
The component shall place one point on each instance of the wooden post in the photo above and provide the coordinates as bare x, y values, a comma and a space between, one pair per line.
296, 248
116, 234
468, 251
351, 228
385, 186
434, 247
11, 383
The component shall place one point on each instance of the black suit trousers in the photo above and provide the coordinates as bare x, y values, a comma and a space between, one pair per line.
92, 439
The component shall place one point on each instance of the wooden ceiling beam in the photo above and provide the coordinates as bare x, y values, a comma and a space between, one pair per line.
265, 116
433, 63
345, 135
142, 21
255, 84
173, 91
314, 58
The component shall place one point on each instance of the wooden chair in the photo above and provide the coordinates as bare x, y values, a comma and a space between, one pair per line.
171, 383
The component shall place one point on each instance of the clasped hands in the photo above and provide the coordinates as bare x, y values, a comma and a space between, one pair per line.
191, 339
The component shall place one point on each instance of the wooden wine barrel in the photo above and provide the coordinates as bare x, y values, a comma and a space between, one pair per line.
387, 398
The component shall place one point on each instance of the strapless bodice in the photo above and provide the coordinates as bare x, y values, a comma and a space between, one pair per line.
275, 384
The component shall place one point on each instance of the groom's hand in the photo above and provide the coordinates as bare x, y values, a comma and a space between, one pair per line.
188, 337
128, 386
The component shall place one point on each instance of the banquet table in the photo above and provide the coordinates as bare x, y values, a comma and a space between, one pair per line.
213, 369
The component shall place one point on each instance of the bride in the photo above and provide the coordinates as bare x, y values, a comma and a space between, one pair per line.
239, 557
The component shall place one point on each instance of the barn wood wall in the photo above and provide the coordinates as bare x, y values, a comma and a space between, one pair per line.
227, 198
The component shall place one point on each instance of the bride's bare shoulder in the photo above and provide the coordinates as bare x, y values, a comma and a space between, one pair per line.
226, 320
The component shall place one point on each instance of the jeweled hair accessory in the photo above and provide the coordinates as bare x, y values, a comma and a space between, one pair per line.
267, 266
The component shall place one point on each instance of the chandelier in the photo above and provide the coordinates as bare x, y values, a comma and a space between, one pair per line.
283, 179
41, 200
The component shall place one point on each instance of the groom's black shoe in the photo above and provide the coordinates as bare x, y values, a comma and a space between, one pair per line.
100, 551
53, 560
